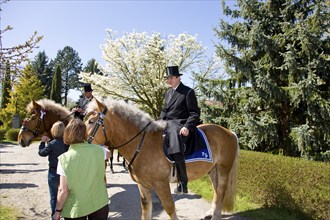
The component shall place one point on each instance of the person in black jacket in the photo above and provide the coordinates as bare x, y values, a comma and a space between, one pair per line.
182, 114
54, 148
80, 110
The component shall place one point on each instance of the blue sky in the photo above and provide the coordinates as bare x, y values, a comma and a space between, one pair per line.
82, 24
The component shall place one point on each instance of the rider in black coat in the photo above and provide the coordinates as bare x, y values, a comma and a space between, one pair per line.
182, 114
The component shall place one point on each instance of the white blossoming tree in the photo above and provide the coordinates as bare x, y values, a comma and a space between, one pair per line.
136, 63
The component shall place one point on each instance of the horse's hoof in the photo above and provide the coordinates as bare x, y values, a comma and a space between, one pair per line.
112, 171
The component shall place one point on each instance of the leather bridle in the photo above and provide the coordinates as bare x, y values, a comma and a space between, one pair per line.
100, 122
36, 131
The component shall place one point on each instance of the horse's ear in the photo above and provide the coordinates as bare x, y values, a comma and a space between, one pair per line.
99, 104
35, 104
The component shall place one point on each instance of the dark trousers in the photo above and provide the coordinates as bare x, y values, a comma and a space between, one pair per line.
53, 181
101, 214
181, 167
178, 157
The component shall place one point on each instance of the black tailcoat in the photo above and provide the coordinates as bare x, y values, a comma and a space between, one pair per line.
180, 110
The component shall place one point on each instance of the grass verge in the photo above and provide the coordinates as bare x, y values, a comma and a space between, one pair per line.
7, 213
243, 205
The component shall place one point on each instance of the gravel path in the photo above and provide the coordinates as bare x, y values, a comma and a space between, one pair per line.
23, 185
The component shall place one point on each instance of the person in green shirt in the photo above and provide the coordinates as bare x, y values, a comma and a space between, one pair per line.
82, 192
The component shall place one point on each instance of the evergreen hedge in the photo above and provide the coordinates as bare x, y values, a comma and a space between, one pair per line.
12, 134
277, 181
2, 134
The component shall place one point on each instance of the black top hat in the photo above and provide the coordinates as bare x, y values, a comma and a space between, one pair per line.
172, 71
87, 87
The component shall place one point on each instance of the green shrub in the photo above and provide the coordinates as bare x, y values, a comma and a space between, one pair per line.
2, 134
292, 183
12, 134
296, 186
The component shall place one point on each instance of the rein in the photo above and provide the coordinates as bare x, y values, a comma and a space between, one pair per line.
137, 150
68, 116
116, 147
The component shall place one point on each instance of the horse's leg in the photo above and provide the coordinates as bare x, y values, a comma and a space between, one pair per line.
111, 161
105, 176
214, 181
146, 202
219, 178
124, 164
118, 156
164, 193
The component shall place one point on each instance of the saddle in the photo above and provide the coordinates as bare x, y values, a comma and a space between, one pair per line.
197, 148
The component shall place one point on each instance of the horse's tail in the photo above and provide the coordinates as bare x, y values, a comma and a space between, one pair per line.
229, 198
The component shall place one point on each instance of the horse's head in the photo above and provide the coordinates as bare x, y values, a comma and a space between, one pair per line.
95, 129
118, 123
32, 126
43, 114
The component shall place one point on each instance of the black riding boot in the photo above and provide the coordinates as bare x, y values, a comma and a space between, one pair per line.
182, 177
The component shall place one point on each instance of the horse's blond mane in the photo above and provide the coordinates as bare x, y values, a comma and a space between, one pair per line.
50, 106
130, 113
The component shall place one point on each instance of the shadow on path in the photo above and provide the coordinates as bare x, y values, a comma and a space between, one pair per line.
17, 185
13, 171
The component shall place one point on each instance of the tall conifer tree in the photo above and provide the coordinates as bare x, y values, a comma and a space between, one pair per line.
276, 96
55, 93
69, 61
41, 65
6, 87
92, 67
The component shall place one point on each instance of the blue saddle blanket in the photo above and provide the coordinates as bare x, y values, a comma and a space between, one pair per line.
197, 148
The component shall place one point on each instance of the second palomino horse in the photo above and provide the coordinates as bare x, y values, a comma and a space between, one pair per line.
139, 139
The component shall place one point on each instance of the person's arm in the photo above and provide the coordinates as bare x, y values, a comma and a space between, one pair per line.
106, 151
62, 195
43, 150
193, 109
163, 112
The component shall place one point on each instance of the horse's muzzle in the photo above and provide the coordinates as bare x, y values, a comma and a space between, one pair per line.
23, 144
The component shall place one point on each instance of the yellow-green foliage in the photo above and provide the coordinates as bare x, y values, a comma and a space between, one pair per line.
7, 213
12, 134
27, 88
293, 183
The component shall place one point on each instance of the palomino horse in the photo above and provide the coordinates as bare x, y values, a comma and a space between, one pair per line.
43, 114
139, 139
